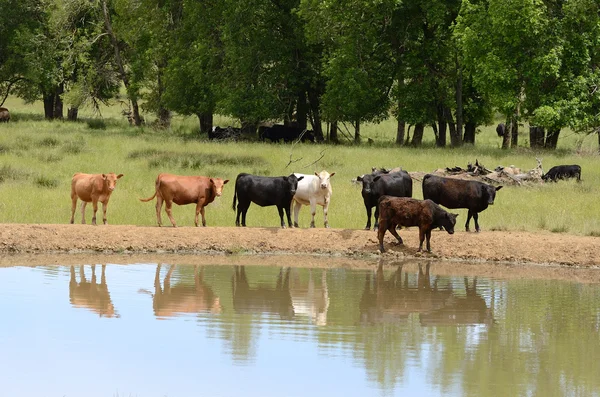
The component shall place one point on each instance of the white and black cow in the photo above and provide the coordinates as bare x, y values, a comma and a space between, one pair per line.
563, 172
264, 191
379, 183
312, 190
458, 193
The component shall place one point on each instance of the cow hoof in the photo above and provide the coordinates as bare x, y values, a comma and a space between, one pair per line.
296, 225
368, 228
312, 225
72, 222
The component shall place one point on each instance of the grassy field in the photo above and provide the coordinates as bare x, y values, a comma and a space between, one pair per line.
38, 159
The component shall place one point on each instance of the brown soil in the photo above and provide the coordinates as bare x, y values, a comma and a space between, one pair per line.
337, 245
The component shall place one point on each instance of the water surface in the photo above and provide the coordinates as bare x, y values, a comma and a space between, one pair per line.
163, 330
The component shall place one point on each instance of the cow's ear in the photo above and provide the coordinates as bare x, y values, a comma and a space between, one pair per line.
225, 181
316, 173
359, 178
119, 176
332, 174
104, 176
285, 178
299, 179
376, 178
498, 188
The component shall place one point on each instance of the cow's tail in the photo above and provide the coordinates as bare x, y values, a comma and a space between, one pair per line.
235, 192
155, 192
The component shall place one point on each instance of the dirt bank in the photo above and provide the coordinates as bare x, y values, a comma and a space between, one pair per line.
498, 247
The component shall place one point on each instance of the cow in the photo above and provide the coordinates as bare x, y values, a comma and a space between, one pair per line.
406, 211
562, 172
501, 129
4, 115
457, 193
220, 133
309, 299
312, 190
182, 190
92, 188
264, 191
171, 301
90, 294
377, 184
289, 133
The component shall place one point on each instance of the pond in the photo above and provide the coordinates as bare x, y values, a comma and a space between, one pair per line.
171, 329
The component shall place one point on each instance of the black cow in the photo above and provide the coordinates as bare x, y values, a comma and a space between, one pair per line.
562, 172
264, 191
500, 129
289, 133
458, 193
220, 133
377, 184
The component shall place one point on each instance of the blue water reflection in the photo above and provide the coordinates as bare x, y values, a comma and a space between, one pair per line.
164, 330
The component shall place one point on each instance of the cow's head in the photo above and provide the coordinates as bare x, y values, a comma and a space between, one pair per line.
448, 221
368, 180
218, 184
111, 180
292, 181
324, 177
491, 193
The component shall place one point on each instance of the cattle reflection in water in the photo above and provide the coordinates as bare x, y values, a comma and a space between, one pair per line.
91, 295
169, 301
289, 298
393, 300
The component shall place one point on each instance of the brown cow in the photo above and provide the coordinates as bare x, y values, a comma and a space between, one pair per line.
92, 188
4, 115
89, 294
405, 211
183, 190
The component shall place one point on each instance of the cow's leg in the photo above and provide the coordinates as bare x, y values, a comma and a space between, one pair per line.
476, 218
73, 207
381, 233
159, 204
280, 210
200, 207
168, 206
297, 207
368, 227
392, 229
428, 236
83, 204
325, 211
421, 239
313, 211
104, 208
469, 215
95, 209
288, 213
242, 209
376, 220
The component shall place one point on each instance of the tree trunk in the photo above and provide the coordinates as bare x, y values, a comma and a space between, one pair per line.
470, 129
400, 130
357, 132
455, 134
442, 127
302, 110
314, 106
206, 122
333, 132
49, 106
536, 137
507, 135
72, 114
113, 39
417, 138
249, 127
552, 138
407, 142
459, 104
164, 115
514, 132
58, 102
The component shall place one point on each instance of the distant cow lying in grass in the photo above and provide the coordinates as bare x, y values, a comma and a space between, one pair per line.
92, 188
405, 211
182, 190
562, 172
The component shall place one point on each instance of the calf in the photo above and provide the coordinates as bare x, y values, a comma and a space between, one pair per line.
562, 172
312, 190
92, 188
182, 190
377, 184
405, 211
288, 133
457, 193
264, 191
4, 115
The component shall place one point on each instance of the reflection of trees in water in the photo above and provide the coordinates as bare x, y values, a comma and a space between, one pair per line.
182, 298
90, 294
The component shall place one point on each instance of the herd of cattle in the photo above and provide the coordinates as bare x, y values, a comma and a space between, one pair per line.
389, 191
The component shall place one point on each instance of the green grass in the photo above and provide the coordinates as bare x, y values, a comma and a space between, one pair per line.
38, 159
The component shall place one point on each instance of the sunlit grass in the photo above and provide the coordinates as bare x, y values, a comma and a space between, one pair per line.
38, 159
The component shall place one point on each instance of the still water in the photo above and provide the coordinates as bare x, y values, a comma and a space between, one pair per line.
164, 330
